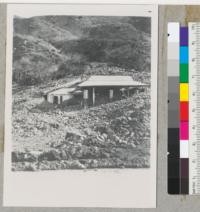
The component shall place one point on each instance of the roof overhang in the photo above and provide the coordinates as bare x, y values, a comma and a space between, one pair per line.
111, 81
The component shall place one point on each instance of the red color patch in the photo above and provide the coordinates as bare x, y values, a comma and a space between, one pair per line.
184, 114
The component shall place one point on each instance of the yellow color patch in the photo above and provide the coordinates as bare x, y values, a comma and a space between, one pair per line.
184, 92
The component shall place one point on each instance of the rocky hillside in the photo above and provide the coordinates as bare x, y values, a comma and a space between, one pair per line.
113, 135
50, 47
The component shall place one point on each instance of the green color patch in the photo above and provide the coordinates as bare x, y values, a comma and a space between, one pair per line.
184, 73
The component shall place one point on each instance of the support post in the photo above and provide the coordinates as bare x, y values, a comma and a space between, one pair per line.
85, 98
58, 99
128, 92
93, 96
111, 94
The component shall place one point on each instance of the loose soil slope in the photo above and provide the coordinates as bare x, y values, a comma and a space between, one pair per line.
106, 136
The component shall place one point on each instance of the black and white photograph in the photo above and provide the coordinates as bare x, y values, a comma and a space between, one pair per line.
80, 91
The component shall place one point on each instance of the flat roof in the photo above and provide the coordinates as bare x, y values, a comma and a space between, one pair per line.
110, 81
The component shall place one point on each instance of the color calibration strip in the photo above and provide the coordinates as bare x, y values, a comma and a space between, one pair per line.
184, 108
184, 115
173, 108
178, 106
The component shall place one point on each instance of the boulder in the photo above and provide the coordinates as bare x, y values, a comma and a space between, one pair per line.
50, 156
23, 157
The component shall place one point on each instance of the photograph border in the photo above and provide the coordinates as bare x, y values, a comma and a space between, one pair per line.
102, 188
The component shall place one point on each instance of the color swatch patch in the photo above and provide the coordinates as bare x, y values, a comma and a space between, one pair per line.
184, 89
184, 113
184, 130
184, 73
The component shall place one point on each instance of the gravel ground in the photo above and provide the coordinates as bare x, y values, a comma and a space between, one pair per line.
113, 135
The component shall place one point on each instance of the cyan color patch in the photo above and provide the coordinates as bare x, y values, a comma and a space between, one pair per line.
184, 54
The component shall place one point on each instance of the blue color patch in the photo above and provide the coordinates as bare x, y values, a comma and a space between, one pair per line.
184, 54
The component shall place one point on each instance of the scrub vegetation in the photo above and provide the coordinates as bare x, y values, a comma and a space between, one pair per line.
51, 51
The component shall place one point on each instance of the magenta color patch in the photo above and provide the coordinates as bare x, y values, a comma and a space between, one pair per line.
184, 130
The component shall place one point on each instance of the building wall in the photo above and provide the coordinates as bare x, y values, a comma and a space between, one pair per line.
50, 97
67, 97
